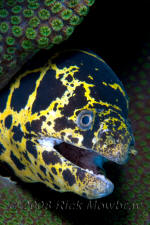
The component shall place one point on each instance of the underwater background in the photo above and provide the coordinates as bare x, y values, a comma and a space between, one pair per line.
120, 34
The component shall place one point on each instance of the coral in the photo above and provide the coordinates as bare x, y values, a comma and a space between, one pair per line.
30, 25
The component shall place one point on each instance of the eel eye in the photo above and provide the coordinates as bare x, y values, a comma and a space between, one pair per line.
85, 119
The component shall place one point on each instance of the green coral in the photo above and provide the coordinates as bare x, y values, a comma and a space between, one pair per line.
69, 30
90, 2
66, 14
49, 2
28, 13
11, 50
4, 27
27, 44
44, 14
31, 33
73, 3
34, 21
56, 7
10, 40
7, 57
83, 10
43, 41
33, 5
16, 9
75, 20
17, 31
15, 20
45, 30
29, 25
11, 2
57, 24
3, 13
57, 39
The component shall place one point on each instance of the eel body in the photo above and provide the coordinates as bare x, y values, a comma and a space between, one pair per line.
60, 122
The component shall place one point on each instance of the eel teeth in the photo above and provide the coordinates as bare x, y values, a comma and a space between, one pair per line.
87, 159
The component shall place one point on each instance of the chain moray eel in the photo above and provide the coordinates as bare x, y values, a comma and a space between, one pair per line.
61, 121
26, 26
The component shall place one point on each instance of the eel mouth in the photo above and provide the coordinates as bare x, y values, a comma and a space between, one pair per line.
86, 164
86, 159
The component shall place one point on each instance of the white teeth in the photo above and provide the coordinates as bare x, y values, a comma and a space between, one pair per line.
49, 142
89, 171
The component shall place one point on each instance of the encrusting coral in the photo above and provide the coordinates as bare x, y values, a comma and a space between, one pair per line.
26, 26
